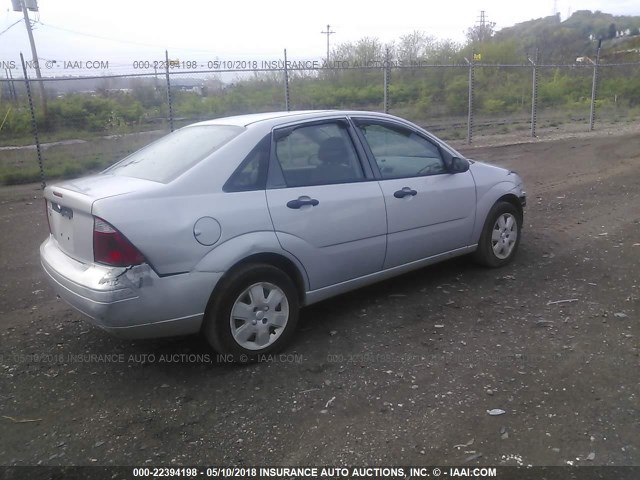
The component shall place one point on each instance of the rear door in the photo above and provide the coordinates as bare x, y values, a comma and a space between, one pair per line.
429, 210
326, 207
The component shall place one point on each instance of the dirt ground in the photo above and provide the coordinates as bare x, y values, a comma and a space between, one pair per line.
403, 372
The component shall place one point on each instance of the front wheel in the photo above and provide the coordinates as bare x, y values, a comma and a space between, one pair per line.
500, 236
253, 313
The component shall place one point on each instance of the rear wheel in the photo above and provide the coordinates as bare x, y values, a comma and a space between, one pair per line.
500, 236
255, 312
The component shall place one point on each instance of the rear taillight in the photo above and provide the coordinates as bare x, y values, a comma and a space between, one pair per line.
111, 247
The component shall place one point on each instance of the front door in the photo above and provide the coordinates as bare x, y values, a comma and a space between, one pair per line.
430, 211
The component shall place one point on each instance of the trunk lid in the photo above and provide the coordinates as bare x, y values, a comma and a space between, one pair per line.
70, 204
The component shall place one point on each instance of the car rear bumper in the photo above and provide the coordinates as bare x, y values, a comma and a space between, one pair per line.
131, 302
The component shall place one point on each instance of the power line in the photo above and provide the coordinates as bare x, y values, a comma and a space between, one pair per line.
97, 36
124, 42
14, 23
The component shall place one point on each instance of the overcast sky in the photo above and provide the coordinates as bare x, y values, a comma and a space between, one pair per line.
121, 31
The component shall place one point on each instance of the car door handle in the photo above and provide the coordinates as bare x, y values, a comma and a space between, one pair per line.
302, 201
404, 192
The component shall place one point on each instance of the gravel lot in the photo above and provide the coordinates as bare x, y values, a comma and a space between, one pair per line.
403, 372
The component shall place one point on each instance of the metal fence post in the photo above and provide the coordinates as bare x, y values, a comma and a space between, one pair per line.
387, 79
34, 124
594, 88
470, 112
286, 83
12, 87
534, 96
169, 100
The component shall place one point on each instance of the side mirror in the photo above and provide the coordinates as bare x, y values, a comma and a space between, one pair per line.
457, 165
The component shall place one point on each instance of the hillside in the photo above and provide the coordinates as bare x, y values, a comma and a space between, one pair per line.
563, 42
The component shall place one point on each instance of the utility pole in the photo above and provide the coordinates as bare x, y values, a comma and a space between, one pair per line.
482, 22
482, 18
25, 6
328, 33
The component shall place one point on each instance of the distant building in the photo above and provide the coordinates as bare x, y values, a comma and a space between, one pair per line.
197, 89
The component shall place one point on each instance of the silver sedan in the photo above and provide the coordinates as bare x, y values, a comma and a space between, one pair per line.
230, 226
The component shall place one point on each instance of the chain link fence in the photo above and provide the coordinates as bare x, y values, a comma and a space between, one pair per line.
88, 122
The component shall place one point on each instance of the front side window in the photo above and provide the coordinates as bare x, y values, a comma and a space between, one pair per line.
401, 153
174, 154
318, 154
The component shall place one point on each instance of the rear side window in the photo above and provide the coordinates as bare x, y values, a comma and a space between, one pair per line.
318, 154
171, 156
252, 172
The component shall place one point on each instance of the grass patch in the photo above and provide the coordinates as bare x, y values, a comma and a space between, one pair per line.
74, 134
18, 178
68, 161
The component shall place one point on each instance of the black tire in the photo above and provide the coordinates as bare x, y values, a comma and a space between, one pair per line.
219, 328
485, 254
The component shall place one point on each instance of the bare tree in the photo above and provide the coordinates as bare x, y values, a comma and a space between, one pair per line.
480, 33
416, 46
368, 50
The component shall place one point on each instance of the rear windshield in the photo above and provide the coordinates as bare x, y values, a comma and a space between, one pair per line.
169, 157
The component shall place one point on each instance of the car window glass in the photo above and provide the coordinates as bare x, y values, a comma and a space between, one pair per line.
402, 153
174, 154
317, 155
252, 172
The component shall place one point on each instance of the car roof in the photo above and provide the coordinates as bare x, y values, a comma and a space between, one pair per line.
284, 117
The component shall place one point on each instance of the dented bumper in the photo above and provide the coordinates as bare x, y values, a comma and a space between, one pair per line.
131, 302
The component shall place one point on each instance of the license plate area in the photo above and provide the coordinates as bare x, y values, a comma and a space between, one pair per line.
61, 220
64, 211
